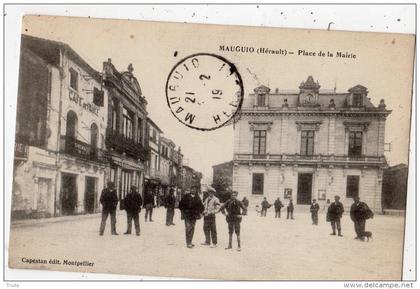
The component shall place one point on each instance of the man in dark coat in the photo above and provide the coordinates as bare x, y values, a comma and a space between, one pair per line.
148, 204
277, 208
334, 214
132, 205
290, 209
170, 207
359, 213
109, 201
233, 217
314, 212
191, 208
264, 206
245, 202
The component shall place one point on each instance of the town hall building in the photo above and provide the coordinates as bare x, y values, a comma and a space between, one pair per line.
310, 144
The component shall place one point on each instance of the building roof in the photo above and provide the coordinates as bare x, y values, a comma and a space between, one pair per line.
168, 141
223, 164
49, 50
149, 120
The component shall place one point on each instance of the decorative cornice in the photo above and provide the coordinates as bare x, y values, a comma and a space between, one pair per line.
356, 125
308, 125
289, 111
264, 125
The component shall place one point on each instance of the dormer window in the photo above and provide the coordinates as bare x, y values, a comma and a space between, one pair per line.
357, 95
261, 95
261, 99
357, 99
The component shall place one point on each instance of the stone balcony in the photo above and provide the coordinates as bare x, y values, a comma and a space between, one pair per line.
317, 159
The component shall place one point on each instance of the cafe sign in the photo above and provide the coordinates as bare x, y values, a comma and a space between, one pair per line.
76, 98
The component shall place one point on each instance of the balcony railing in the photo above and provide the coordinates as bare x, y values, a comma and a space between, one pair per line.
318, 158
81, 150
122, 144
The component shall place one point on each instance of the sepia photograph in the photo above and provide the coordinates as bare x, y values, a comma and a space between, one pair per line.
210, 152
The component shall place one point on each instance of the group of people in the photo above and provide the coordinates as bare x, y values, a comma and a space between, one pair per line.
132, 204
359, 213
278, 205
193, 208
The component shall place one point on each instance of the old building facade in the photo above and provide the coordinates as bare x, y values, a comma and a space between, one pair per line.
310, 144
153, 175
167, 148
61, 120
125, 140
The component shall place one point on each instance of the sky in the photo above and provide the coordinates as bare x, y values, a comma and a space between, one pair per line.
383, 64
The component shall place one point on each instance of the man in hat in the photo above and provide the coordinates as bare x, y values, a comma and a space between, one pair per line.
277, 208
233, 217
109, 201
290, 209
245, 202
334, 214
211, 205
132, 205
359, 213
149, 203
170, 207
264, 206
191, 209
314, 212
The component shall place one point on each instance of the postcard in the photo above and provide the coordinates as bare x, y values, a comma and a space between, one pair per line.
210, 152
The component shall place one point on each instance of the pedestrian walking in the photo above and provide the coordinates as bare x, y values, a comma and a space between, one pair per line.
170, 207
264, 206
149, 204
132, 205
314, 212
359, 213
233, 208
334, 214
191, 209
277, 208
211, 206
109, 201
290, 209
245, 202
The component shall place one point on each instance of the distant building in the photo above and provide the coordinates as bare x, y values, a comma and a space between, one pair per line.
153, 174
222, 176
394, 187
167, 148
60, 163
310, 144
190, 178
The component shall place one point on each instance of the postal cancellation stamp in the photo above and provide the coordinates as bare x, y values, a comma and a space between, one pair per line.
204, 91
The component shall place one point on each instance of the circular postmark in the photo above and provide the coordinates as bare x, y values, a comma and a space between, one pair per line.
204, 91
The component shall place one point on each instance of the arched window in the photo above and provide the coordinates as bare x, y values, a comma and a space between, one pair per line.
71, 125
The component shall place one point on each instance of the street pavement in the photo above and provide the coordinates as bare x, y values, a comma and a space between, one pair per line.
271, 248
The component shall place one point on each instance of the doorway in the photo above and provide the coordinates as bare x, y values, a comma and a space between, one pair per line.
304, 192
90, 195
68, 194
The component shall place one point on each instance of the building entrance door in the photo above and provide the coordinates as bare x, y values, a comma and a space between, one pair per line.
304, 192
90, 195
68, 194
